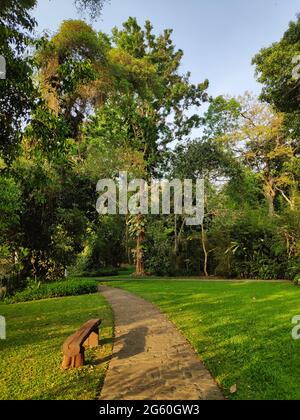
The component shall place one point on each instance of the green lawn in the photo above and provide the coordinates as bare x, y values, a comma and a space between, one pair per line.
31, 356
242, 331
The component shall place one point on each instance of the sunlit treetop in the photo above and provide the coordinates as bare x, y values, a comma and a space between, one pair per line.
276, 68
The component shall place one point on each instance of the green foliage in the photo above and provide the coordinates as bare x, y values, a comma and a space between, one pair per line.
297, 280
104, 272
253, 252
248, 244
221, 117
171, 95
18, 95
10, 204
57, 204
205, 159
277, 68
47, 132
105, 245
17, 91
159, 256
74, 75
167, 255
38, 291
275, 65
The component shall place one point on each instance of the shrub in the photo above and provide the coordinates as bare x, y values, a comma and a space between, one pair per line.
105, 272
297, 280
250, 245
159, 252
53, 290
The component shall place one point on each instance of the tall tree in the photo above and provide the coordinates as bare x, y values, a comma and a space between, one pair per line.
207, 159
256, 135
16, 91
73, 75
152, 101
276, 68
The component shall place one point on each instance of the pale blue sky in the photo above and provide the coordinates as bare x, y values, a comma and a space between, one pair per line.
219, 37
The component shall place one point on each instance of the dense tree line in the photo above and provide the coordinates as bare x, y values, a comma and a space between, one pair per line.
83, 105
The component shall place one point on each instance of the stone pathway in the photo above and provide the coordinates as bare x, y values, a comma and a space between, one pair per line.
151, 359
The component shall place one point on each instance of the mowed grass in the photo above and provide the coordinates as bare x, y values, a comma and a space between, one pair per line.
31, 356
241, 330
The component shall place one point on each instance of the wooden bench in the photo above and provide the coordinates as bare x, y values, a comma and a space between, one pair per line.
86, 337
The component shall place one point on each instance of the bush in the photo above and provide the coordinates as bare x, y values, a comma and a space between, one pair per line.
53, 290
297, 280
105, 272
159, 252
250, 245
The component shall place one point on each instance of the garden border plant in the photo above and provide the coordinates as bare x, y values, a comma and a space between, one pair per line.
72, 287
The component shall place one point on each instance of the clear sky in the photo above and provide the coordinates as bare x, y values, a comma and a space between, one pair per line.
219, 37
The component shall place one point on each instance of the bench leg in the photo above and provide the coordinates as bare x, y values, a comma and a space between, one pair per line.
67, 362
94, 339
78, 360
73, 362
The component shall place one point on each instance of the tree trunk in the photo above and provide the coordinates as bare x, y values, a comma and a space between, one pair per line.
290, 201
270, 195
270, 200
128, 250
203, 241
140, 239
140, 268
176, 237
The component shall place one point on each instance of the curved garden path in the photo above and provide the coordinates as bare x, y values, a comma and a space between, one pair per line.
151, 359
